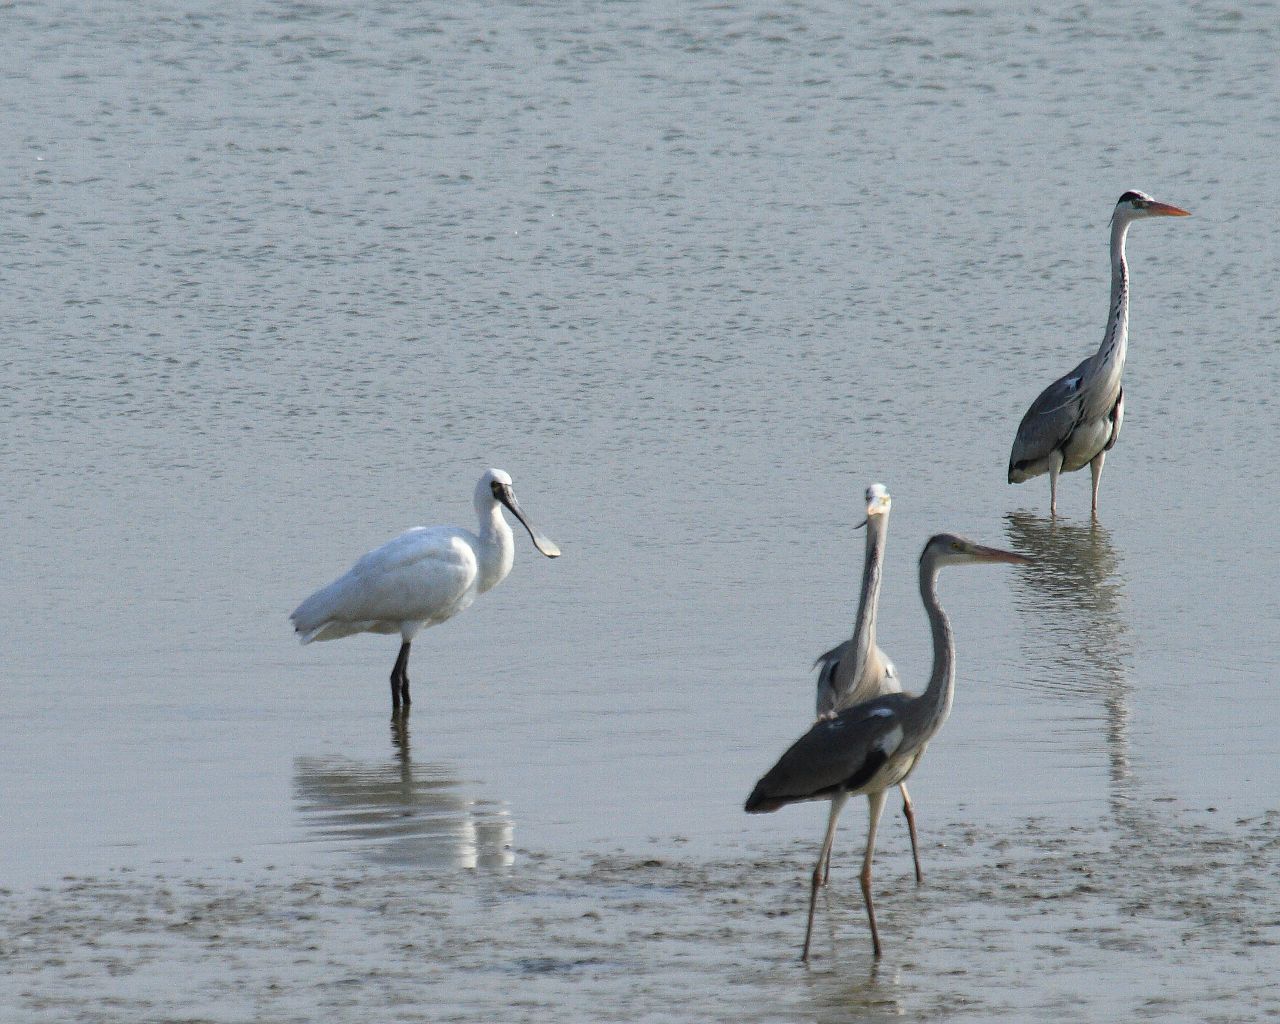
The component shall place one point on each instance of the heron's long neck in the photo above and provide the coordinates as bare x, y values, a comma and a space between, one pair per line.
864, 628
934, 705
1110, 358
850, 671
497, 548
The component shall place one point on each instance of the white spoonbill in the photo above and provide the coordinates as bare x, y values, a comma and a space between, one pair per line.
424, 576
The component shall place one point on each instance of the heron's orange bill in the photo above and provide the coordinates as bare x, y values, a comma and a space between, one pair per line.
1164, 209
998, 555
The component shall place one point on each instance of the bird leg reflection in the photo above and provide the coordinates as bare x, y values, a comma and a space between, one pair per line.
400, 734
400, 679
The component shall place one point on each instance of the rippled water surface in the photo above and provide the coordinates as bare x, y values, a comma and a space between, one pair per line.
278, 281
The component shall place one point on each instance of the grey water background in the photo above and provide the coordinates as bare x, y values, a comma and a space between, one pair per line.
280, 280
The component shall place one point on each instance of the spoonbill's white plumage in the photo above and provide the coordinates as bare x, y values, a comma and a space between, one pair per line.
424, 576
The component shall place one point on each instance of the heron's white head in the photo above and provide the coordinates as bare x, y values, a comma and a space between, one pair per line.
878, 500
1134, 205
495, 488
948, 549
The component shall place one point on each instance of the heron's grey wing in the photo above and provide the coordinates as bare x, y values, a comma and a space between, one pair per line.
1117, 417
827, 663
1047, 424
838, 752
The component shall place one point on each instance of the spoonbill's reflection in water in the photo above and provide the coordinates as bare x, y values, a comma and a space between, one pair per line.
401, 813
1073, 599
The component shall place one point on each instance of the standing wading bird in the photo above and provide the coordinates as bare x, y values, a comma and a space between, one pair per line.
1076, 420
873, 746
424, 576
857, 670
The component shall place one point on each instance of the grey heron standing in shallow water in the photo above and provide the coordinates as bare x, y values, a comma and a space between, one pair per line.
424, 576
857, 670
873, 746
1076, 420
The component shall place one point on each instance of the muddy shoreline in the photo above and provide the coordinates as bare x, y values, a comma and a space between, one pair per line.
1140, 920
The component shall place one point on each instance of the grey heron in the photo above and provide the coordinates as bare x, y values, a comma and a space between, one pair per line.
873, 746
857, 670
426, 575
1076, 420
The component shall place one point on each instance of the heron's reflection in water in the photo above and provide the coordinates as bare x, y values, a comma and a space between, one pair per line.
844, 995
1073, 599
401, 813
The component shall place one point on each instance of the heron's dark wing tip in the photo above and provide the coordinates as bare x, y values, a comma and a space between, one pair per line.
760, 802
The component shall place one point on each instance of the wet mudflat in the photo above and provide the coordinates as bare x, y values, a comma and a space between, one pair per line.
1162, 919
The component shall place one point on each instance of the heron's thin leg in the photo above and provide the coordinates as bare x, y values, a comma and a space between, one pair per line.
400, 677
1095, 470
1055, 467
909, 812
875, 803
824, 858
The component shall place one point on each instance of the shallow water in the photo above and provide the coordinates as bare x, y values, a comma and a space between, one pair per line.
280, 282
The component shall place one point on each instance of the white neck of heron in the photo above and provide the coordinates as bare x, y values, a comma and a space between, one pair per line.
864, 628
1111, 353
849, 670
